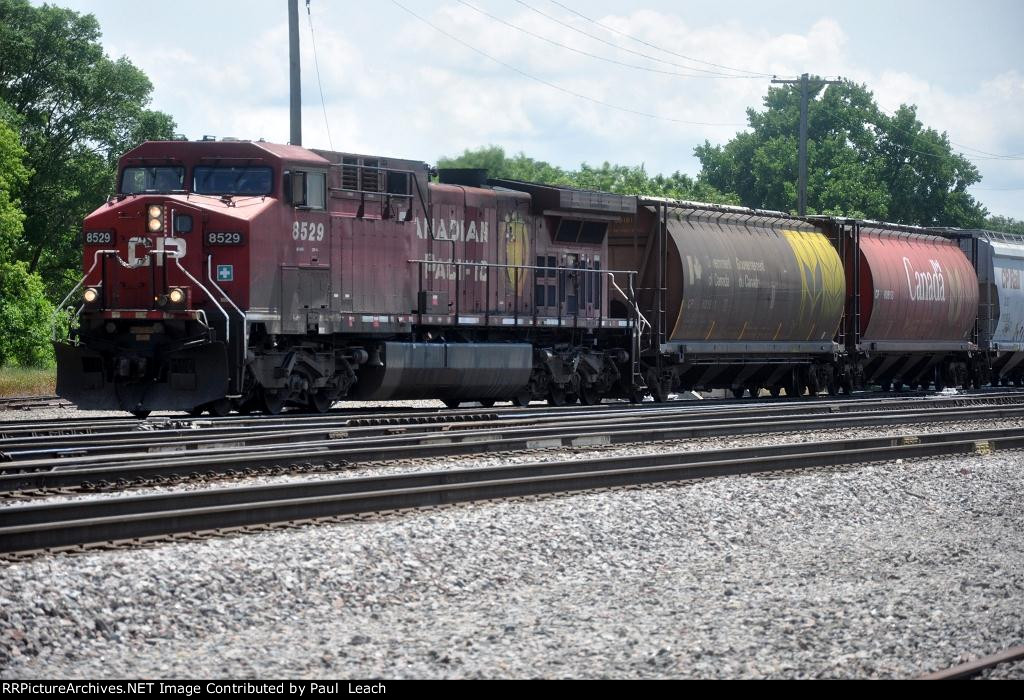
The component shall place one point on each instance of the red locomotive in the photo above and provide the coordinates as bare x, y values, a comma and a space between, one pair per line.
234, 274
249, 275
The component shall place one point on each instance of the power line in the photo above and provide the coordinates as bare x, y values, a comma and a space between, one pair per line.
710, 73
323, 102
603, 58
555, 86
640, 41
986, 156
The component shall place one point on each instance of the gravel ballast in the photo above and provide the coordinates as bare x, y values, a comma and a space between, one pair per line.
877, 571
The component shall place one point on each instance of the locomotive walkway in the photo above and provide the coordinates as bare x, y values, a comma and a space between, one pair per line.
129, 521
31, 465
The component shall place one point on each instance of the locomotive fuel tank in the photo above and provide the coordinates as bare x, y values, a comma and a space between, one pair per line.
915, 290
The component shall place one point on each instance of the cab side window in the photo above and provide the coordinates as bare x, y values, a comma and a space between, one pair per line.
306, 189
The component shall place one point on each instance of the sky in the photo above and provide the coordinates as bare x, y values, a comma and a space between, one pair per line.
394, 85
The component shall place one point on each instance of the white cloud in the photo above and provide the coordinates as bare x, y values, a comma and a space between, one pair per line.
413, 92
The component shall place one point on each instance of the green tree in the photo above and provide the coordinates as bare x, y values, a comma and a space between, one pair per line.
24, 310
78, 110
608, 177
861, 162
1005, 223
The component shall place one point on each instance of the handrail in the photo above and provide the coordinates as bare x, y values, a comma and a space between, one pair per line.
60, 306
209, 276
227, 319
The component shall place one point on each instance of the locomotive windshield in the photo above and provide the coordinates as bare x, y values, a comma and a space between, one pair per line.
155, 179
240, 180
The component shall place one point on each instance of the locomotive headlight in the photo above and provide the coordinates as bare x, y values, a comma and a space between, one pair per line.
176, 296
91, 294
155, 216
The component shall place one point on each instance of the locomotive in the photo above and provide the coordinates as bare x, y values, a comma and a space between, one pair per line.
237, 275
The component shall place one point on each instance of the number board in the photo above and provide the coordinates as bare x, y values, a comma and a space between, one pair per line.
97, 237
224, 238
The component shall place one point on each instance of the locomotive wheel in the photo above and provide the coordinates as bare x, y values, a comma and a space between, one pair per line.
755, 391
556, 397
452, 403
1019, 381
737, 392
321, 402
220, 408
590, 396
273, 401
775, 390
886, 387
833, 388
196, 412
141, 415
487, 403
636, 395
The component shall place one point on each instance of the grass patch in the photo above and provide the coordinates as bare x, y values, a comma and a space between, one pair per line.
27, 381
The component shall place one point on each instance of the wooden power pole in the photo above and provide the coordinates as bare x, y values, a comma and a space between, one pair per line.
805, 96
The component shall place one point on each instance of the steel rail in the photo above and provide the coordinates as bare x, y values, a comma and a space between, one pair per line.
973, 668
77, 523
158, 423
106, 471
197, 434
45, 447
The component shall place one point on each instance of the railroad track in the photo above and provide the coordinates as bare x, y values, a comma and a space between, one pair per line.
156, 460
127, 521
973, 668
21, 442
402, 414
28, 403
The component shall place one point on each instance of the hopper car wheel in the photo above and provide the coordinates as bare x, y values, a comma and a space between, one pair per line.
775, 390
886, 387
522, 399
755, 391
833, 388
737, 392
196, 412
141, 415
1019, 381
659, 392
452, 403
487, 403
273, 401
556, 397
794, 388
321, 402
1004, 381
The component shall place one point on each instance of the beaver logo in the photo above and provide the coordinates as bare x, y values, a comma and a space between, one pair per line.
517, 251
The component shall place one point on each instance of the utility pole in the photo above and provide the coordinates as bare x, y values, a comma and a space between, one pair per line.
805, 96
295, 74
